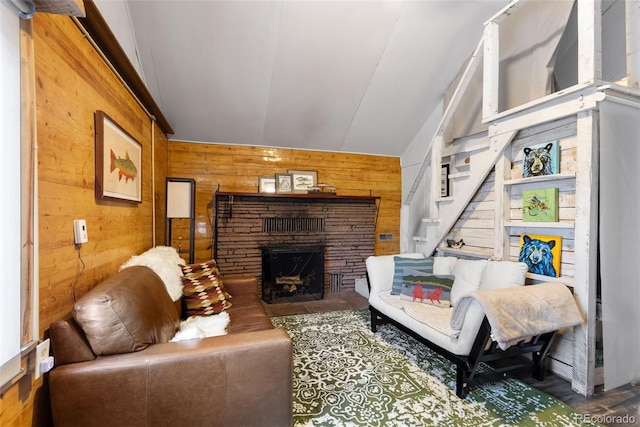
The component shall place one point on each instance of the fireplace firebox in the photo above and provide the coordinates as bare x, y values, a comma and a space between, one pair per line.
292, 273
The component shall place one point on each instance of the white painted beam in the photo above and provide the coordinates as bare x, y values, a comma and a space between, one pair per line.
585, 251
632, 19
503, 205
436, 165
552, 107
491, 70
589, 41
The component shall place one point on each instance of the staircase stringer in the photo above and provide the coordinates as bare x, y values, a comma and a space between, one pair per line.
449, 212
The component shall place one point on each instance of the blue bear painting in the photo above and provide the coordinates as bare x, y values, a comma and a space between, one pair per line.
538, 255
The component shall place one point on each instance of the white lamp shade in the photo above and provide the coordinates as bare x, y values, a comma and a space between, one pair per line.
178, 199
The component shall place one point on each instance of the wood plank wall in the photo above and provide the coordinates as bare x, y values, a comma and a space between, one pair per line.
72, 82
236, 168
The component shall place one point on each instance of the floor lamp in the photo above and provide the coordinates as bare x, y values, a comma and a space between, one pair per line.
181, 204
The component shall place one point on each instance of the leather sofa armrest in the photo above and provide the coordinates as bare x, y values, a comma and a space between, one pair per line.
68, 342
237, 379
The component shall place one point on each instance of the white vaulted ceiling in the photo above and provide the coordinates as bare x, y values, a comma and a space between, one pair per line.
353, 76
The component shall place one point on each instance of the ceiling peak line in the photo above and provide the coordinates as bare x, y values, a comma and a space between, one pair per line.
373, 73
136, 49
268, 97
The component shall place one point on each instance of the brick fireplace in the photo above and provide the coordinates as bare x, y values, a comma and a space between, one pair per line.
247, 223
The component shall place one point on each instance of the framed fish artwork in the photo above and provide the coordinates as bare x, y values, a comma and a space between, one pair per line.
118, 162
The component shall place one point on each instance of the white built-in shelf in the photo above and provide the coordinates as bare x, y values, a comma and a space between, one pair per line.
542, 278
558, 224
544, 178
474, 253
459, 175
445, 199
431, 220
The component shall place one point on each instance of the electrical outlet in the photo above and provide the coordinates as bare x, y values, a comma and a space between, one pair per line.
44, 362
80, 231
385, 237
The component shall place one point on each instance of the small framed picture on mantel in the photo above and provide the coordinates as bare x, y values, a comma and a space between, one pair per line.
284, 183
266, 184
302, 181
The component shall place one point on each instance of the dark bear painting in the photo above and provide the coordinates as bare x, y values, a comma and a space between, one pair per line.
542, 159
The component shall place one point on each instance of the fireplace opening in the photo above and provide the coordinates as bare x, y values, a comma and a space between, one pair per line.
292, 273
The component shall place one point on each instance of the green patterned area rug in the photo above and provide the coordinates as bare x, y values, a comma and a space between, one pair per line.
344, 375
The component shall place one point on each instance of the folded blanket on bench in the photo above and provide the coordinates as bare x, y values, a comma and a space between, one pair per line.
521, 312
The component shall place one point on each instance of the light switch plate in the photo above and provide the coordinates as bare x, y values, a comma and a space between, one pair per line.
80, 231
42, 353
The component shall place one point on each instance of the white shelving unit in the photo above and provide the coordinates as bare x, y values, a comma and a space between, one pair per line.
465, 253
540, 278
487, 187
559, 224
537, 179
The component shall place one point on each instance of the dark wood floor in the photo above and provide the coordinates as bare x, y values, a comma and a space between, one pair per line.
618, 407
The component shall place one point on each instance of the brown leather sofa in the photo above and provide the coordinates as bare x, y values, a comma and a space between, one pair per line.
124, 372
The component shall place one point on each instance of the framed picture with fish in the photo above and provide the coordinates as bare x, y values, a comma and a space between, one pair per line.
302, 181
118, 162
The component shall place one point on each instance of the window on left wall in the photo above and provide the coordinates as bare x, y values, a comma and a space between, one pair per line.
18, 313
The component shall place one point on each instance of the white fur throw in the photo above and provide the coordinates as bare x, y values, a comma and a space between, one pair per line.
202, 326
166, 263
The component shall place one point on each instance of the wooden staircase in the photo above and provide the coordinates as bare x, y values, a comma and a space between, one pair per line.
448, 209
444, 212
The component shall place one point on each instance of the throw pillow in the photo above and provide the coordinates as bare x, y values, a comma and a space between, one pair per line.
468, 274
203, 269
408, 266
427, 289
443, 265
194, 268
503, 274
203, 293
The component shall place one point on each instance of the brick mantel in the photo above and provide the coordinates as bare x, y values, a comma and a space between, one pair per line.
246, 222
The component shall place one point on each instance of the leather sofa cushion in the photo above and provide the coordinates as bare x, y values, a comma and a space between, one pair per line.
247, 312
127, 312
